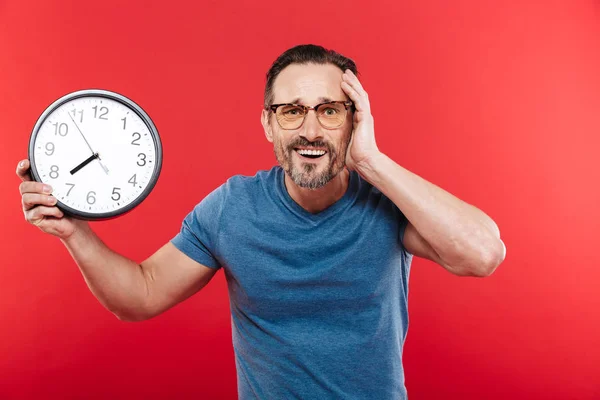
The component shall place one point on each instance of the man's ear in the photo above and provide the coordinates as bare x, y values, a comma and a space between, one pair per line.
266, 125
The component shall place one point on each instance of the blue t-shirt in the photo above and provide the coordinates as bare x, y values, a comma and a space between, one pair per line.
318, 301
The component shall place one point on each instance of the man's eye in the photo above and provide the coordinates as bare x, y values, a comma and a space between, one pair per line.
330, 111
293, 111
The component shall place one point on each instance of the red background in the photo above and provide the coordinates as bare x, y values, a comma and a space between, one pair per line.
497, 102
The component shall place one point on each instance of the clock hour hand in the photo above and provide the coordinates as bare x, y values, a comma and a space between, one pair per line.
83, 164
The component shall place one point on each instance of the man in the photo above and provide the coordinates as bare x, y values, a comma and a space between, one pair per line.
316, 251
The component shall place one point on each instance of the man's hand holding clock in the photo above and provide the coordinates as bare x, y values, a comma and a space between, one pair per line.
39, 206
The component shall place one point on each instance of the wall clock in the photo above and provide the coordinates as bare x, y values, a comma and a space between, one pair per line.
100, 152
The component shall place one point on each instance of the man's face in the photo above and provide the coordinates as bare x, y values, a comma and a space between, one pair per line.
309, 84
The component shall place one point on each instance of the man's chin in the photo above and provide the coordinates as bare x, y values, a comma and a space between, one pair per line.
307, 174
312, 180
313, 184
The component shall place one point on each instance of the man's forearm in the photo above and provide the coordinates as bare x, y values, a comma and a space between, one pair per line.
116, 281
460, 233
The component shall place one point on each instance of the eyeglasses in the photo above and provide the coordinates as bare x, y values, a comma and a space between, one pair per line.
330, 115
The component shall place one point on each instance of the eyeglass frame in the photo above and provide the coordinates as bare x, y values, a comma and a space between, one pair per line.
346, 103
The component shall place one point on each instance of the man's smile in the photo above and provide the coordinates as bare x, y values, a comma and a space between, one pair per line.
310, 153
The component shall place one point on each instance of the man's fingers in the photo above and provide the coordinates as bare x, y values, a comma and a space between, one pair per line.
34, 187
354, 96
23, 170
31, 200
353, 80
353, 88
35, 195
36, 215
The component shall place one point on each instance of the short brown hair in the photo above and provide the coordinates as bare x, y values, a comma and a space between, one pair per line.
305, 54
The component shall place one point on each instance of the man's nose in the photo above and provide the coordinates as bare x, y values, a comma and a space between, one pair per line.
311, 128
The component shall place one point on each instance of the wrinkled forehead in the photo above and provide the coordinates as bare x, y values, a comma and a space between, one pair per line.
308, 84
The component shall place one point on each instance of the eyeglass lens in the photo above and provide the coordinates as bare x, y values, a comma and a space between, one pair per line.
330, 115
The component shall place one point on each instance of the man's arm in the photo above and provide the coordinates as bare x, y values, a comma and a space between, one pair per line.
441, 227
131, 291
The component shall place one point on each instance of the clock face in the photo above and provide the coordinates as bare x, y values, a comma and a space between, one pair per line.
99, 151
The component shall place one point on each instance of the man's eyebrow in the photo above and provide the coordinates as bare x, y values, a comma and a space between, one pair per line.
297, 100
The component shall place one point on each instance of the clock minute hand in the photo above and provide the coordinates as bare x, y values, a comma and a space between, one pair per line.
86, 142
77, 126
83, 164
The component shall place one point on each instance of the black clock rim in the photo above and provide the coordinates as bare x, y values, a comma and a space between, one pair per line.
90, 216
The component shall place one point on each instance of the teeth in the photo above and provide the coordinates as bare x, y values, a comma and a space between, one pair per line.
311, 152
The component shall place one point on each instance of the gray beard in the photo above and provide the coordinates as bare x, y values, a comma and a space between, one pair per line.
302, 175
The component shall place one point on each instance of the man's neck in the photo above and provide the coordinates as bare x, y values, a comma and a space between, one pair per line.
317, 200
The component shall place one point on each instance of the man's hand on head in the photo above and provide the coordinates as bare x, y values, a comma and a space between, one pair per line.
363, 148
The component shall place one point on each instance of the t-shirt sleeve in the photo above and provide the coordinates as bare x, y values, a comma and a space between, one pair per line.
402, 224
198, 236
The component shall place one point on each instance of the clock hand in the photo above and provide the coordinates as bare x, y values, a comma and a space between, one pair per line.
77, 126
102, 165
86, 142
83, 164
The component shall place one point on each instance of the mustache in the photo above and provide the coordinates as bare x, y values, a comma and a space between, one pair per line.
305, 143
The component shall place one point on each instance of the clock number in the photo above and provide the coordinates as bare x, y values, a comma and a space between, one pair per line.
72, 186
116, 192
74, 112
143, 160
49, 148
103, 112
132, 180
136, 138
90, 197
54, 172
124, 122
58, 129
